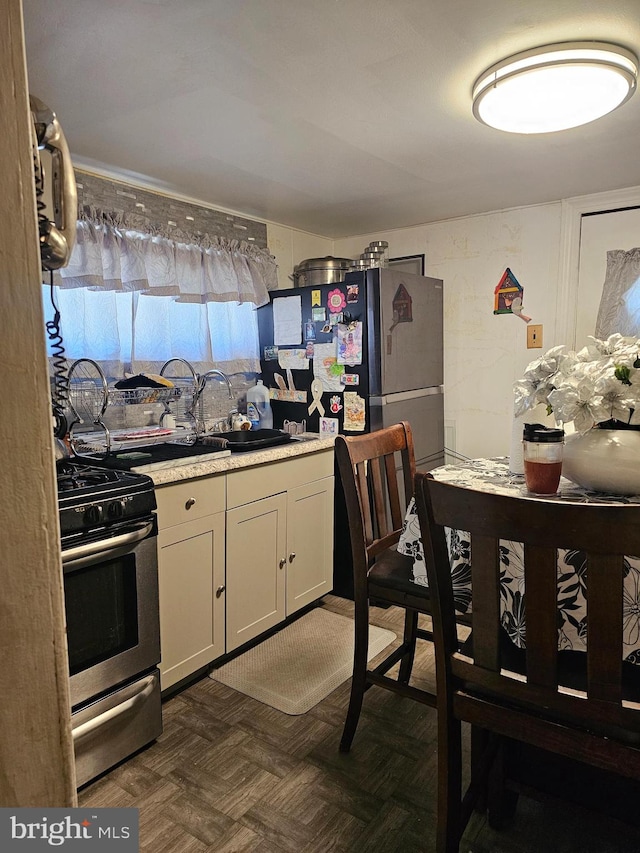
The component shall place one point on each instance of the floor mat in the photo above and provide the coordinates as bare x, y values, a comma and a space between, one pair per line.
300, 665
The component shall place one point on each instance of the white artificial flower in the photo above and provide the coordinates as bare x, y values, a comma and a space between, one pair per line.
544, 366
573, 401
614, 400
600, 382
524, 396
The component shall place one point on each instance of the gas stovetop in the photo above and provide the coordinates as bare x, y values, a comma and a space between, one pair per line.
91, 498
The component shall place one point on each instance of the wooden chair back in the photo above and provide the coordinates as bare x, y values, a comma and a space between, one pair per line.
376, 508
517, 704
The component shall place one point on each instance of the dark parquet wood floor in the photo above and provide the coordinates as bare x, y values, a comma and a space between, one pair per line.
231, 775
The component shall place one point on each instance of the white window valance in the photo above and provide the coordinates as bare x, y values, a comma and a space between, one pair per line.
133, 297
122, 252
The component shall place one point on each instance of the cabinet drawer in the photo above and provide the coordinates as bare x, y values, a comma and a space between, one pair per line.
271, 478
189, 500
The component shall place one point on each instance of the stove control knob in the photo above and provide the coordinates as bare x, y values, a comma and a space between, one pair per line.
115, 509
93, 514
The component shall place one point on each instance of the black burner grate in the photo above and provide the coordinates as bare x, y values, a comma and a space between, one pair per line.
72, 476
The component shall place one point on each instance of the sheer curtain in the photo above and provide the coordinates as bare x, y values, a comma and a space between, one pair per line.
131, 299
619, 309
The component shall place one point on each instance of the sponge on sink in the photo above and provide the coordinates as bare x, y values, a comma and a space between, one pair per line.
160, 379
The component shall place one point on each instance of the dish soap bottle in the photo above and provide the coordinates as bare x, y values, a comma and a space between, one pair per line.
258, 407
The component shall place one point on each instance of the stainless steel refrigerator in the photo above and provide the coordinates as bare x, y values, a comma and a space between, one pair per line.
395, 374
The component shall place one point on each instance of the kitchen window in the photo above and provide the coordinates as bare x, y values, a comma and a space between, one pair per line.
133, 332
132, 299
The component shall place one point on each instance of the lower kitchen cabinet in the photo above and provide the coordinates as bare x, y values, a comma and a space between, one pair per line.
191, 573
279, 546
238, 553
256, 568
309, 543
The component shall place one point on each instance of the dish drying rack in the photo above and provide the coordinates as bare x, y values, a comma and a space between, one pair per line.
90, 396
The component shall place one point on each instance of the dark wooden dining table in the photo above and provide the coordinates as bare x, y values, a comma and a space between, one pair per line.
493, 475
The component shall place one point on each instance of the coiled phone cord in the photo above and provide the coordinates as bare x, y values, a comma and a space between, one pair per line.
60, 389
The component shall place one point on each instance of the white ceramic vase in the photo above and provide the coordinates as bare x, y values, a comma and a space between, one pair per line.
606, 460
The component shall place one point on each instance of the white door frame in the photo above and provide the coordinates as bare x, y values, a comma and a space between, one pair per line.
572, 212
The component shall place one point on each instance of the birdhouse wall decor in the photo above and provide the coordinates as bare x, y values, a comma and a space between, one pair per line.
508, 296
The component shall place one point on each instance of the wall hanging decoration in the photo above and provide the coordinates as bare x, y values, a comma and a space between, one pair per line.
508, 296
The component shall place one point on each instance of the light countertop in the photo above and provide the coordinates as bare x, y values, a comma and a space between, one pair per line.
221, 463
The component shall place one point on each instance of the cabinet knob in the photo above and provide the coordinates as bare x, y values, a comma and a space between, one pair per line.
283, 562
219, 591
292, 557
190, 502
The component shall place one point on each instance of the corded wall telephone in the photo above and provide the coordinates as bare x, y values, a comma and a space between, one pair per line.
57, 203
57, 232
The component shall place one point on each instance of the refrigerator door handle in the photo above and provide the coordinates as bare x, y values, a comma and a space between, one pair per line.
399, 396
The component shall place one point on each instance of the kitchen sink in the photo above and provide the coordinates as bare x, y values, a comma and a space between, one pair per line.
159, 455
247, 439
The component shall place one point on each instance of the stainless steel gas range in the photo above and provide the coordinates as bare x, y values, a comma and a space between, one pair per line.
108, 529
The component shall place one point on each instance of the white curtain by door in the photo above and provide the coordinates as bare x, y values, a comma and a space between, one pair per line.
619, 309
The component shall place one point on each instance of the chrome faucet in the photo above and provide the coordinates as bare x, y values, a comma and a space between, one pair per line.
223, 425
202, 380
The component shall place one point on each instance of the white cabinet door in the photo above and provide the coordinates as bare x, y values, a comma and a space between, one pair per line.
309, 543
256, 568
191, 580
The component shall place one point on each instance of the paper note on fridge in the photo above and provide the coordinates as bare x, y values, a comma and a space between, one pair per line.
293, 359
326, 367
287, 321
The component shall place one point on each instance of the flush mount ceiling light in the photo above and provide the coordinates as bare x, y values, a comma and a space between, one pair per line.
555, 87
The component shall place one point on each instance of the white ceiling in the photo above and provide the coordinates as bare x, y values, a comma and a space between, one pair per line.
339, 117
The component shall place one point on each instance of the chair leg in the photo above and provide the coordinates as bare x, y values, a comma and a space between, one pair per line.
502, 801
479, 745
359, 678
409, 640
449, 830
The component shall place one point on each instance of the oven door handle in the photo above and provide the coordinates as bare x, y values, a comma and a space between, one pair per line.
90, 726
103, 548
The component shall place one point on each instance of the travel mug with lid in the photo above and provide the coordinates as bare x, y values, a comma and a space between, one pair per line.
542, 449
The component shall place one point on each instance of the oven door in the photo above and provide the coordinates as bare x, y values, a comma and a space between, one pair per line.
112, 613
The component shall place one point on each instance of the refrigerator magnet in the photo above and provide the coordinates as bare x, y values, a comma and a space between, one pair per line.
336, 301
316, 391
315, 298
270, 353
350, 379
335, 404
318, 315
352, 293
309, 349
309, 331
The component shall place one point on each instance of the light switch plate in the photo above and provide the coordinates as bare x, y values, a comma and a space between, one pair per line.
534, 336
